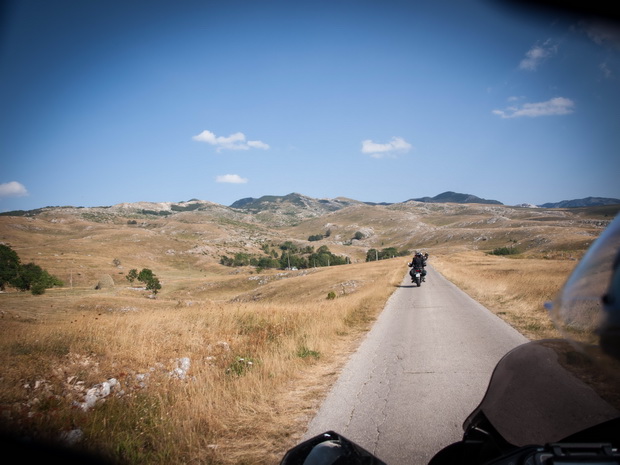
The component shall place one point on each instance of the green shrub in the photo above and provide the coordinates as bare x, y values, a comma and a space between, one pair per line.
37, 288
505, 251
304, 352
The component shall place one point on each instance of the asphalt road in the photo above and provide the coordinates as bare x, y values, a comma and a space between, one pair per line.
419, 372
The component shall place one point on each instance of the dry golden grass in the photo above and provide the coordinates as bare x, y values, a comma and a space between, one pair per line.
261, 357
227, 411
513, 288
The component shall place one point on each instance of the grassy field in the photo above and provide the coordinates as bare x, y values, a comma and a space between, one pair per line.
515, 289
227, 366
259, 352
224, 371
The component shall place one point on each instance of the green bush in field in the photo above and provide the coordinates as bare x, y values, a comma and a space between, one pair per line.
505, 251
28, 277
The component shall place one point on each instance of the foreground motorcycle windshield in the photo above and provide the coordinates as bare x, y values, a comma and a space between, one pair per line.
545, 391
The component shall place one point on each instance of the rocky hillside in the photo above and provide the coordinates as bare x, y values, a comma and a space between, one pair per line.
291, 208
81, 244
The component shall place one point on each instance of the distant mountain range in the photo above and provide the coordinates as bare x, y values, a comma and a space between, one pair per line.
269, 201
587, 202
298, 207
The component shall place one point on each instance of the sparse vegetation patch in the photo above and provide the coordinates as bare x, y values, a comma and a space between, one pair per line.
505, 251
388, 252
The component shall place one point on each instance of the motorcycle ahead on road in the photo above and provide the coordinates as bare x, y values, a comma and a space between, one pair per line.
417, 271
416, 274
549, 402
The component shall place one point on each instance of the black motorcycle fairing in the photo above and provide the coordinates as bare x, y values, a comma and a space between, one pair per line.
545, 391
348, 453
547, 403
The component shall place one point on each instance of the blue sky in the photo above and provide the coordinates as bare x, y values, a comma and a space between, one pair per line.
106, 102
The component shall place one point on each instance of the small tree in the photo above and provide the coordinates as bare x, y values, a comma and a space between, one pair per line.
9, 265
153, 285
28, 277
241, 259
145, 276
148, 277
132, 275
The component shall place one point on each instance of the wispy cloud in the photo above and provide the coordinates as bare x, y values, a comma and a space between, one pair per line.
602, 33
390, 149
555, 106
236, 141
231, 179
537, 54
13, 189
606, 71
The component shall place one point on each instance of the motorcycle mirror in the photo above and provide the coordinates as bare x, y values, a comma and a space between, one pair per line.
329, 448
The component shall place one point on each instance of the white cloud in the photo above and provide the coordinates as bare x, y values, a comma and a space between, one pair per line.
12, 189
390, 149
234, 141
231, 179
555, 106
257, 144
537, 54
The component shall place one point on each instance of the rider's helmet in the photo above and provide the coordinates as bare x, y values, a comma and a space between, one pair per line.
587, 308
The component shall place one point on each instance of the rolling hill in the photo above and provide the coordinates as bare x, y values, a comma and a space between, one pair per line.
587, 202
454, 197
80, 244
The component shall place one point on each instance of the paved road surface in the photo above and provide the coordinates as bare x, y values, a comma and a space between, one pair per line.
420, 371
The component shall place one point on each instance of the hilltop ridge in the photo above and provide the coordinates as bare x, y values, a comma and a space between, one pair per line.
300, 206
587, 202
196, 234
454, 197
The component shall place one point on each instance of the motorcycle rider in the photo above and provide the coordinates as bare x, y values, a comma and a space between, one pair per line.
418, 262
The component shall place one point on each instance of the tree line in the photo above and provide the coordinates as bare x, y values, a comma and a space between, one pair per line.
286, 256
388, 252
